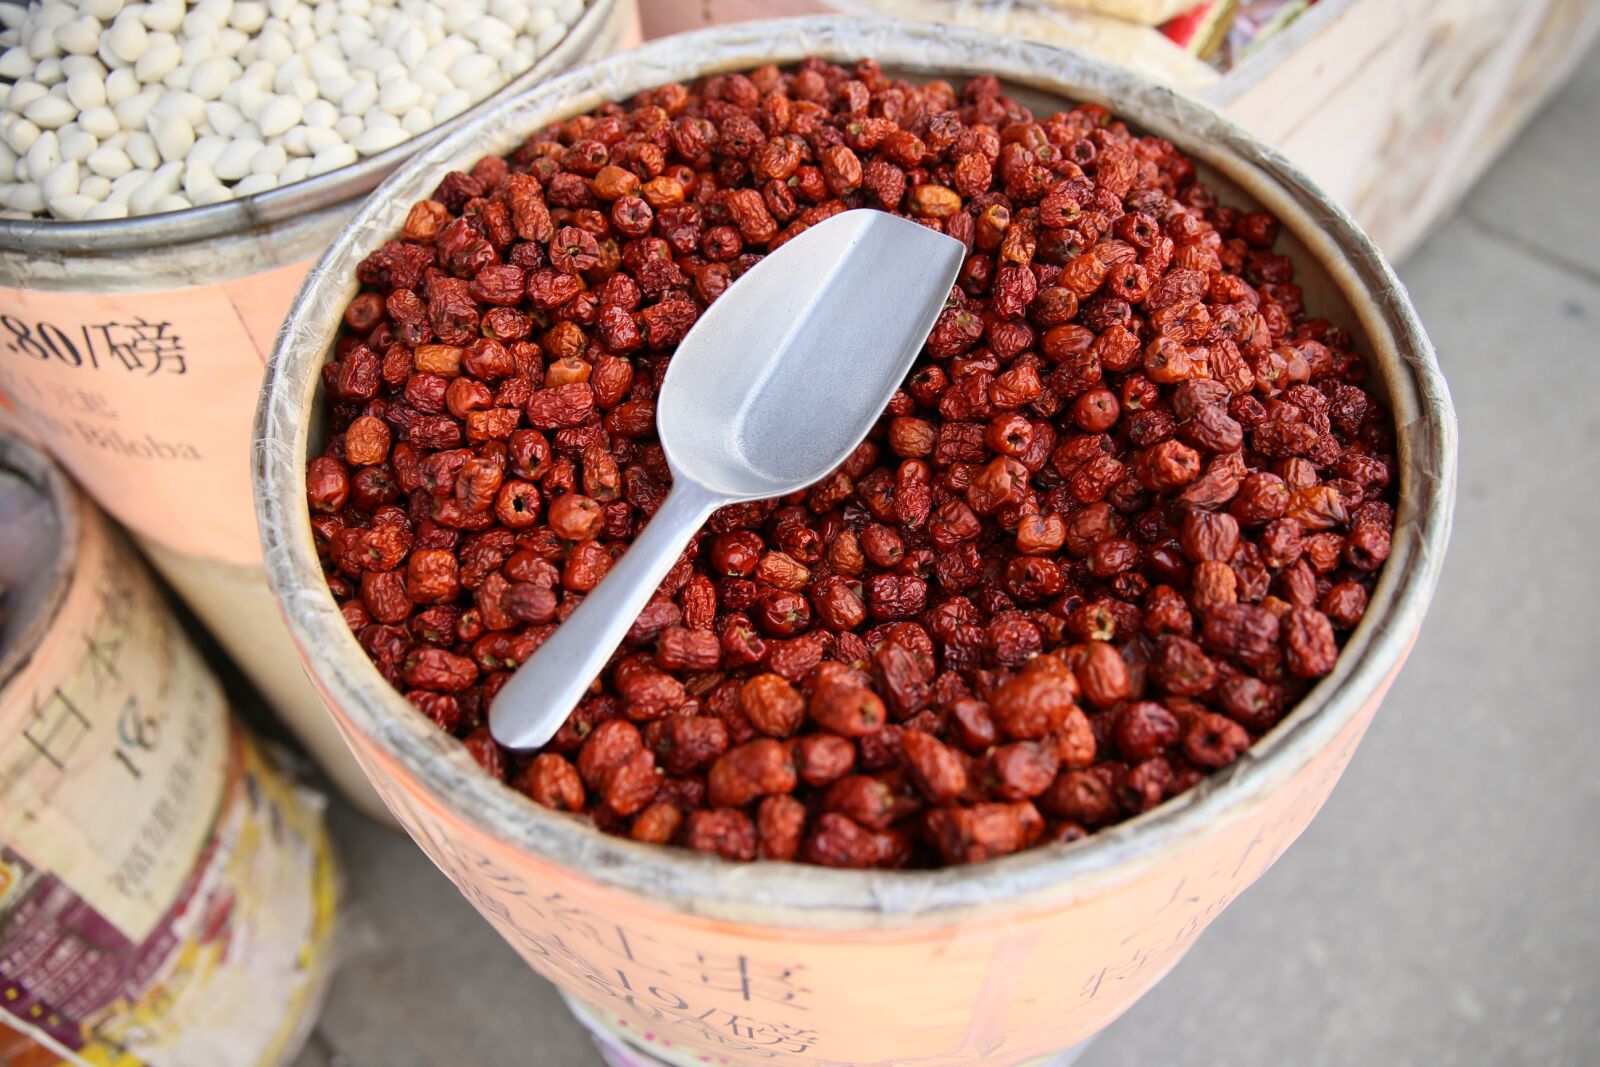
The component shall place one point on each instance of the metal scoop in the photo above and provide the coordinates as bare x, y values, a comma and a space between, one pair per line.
771, 390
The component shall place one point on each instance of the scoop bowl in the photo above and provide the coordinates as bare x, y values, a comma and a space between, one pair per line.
772, 389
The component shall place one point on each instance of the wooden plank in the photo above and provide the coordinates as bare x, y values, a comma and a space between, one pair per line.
1323, 54
1448, 103
1394, 106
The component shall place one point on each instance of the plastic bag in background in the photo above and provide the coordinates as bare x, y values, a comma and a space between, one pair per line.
1201, 29
1138, 47
1255, 23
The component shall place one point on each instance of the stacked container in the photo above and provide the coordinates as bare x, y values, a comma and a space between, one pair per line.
166, 895
134, 350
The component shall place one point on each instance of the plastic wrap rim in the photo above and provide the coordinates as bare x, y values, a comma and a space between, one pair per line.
279, 207
780, 893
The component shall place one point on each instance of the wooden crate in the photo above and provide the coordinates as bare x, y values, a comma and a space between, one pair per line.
1394, 106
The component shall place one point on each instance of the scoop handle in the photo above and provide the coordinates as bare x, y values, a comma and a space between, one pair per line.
531, 707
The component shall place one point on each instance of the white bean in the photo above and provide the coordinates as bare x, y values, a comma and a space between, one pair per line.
332, 158
255, 183
359, 99
100, 122
120, 84
43, 156
77, 143
274, 47
141, 148
230, 42
109, 162
380, 139
94, 186
333, 89
207, 150
171, 202
475, 69
86, 91
21, 135
198, 176
16, 63
25, 93
269, 160
164, 182
50, 112
417, 120
60, 180
399, 98
185, 105
128, 38
248, 15
25, 197
211, 76
107, 209
80, 37
297, 170
135, 110
163, 15
320, 138
433, 80
196, 50
41, 42
349, 127
124, 187
223, 117
159, 58
234, 162
72, 65
212, 194
279, 115
295, 143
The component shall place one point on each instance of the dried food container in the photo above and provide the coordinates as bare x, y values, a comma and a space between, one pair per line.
166, 896
1002, 962
134, 350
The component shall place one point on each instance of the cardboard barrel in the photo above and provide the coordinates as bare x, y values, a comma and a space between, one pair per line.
1000, 962
134, 350
166, 896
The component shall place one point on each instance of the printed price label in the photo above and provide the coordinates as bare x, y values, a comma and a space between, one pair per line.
112, 744
148, 399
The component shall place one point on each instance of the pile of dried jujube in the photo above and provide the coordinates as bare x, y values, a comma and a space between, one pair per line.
1106, 534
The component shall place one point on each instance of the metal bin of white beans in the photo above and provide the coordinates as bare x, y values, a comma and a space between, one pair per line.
168, 172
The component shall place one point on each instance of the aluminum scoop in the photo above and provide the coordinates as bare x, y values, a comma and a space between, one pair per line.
771, 390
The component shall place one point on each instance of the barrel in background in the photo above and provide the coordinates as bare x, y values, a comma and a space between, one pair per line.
167, 897
134, 349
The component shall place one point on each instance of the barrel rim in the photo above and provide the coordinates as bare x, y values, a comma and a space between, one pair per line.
263, 211
782, 893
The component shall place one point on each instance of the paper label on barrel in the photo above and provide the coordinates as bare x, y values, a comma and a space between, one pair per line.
148, 399
113, 745
230, 975
1008, 982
